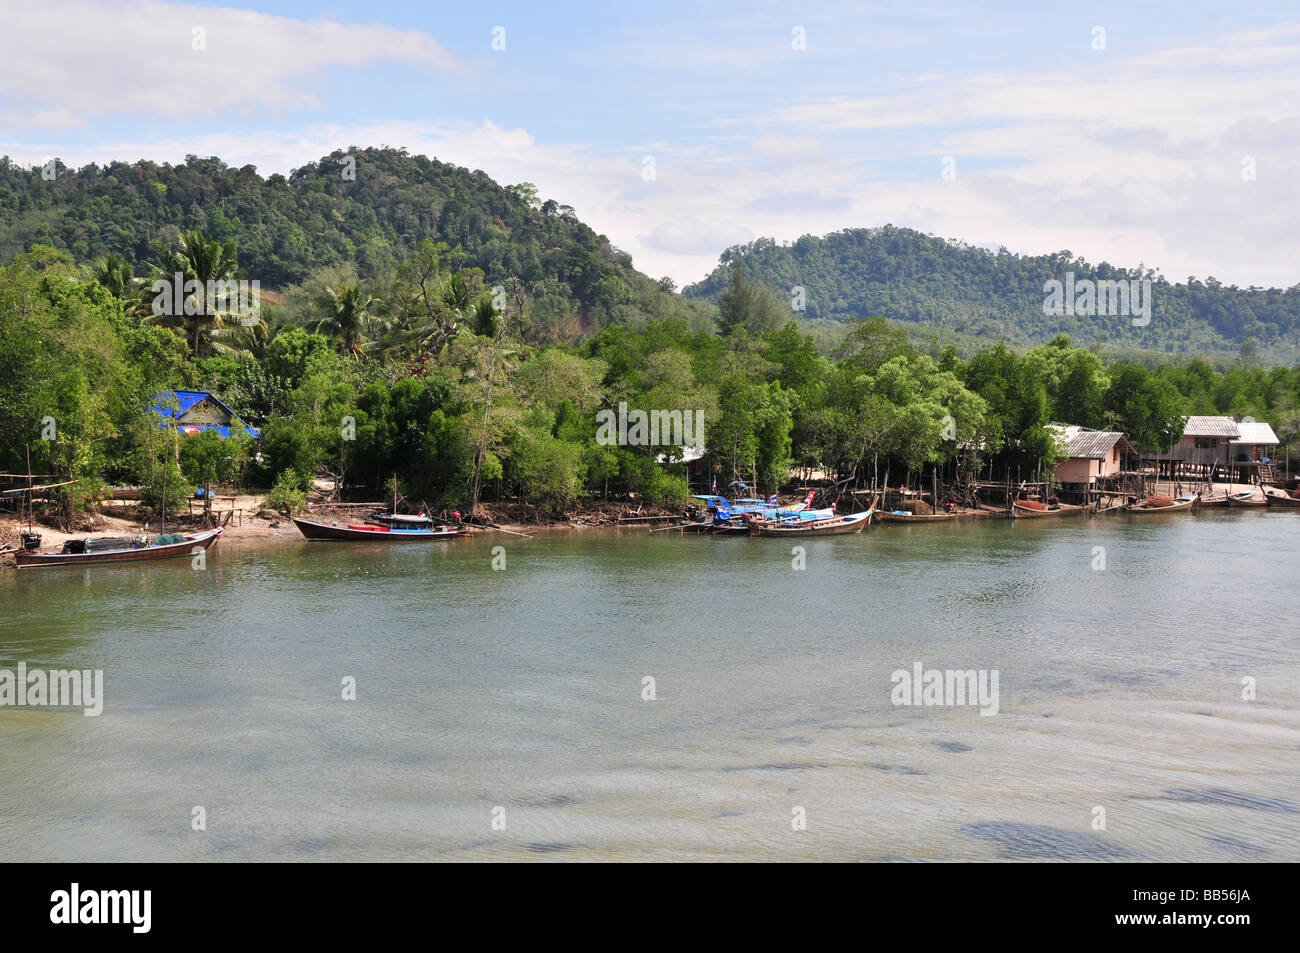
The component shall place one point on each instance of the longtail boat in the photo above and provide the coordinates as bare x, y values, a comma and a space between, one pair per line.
1020, 511
385, 527
725, 511
1247, 499
1154, 504
902, 516
730, 528
835, 526
120, 549
1278, 497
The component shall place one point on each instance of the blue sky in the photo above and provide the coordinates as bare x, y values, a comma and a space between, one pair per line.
1127, 145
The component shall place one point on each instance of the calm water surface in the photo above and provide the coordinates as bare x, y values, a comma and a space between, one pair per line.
522, 690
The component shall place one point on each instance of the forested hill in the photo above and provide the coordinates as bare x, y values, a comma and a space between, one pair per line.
329, 213
904, 275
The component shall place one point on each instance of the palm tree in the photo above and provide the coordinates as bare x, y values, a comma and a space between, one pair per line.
347, 314
115, 275
206, 325
427, 309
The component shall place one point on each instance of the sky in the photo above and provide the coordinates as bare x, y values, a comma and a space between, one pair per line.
1166, 135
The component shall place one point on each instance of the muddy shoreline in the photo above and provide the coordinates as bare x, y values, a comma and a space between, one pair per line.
256, 526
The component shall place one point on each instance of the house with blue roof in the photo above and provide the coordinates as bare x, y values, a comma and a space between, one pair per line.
195, 411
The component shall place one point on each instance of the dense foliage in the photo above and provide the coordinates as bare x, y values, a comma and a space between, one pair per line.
907, 276
419, 366
367, 208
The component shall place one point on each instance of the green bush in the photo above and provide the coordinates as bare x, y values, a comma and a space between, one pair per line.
177, 487
209, 457
286, 447
286, 496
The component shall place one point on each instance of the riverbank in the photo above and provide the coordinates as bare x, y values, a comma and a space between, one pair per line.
254, 525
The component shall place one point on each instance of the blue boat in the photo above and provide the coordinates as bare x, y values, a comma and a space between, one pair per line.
725, 510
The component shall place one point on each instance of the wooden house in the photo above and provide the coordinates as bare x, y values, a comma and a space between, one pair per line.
1091, 455
194, 411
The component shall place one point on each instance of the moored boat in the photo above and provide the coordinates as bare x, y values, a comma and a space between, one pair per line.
902, 516
1247, 498
1022, 511
119, 549
1160, 504
1274, 496
730, 528
834, 526
726, 512
388, 528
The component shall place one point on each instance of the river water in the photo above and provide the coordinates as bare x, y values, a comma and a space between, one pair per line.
504, 714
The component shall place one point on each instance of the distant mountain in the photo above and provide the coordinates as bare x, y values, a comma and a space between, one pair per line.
913, 278
364, 206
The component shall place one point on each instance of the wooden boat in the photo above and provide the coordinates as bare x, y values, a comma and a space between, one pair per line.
1175, 507
1107, 510
121, 549
1020, 511
1247, 499
1209, 502
730, 528
412, 529
899, 516
702, 526
1276, 497
835, 526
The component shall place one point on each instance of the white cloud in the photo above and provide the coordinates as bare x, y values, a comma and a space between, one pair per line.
1128, 161
786, 147
69, 60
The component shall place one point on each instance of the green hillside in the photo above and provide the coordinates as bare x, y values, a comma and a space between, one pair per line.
909, 277
319, 217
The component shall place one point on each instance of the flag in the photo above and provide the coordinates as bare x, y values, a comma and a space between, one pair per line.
772, 498
714, 491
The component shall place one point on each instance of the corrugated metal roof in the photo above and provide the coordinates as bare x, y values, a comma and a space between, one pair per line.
185, 401
189, 430
1253, 432
1082, 443
1211, 427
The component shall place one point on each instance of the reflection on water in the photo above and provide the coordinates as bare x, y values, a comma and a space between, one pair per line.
518, 695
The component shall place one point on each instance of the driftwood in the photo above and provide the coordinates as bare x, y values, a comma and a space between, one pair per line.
618, 514
325, 505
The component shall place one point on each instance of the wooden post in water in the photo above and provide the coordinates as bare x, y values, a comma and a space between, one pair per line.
30, 501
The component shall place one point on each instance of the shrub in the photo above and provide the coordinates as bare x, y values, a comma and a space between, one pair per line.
286, 496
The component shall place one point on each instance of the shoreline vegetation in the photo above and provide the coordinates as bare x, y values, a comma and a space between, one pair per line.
455, 381
260, 526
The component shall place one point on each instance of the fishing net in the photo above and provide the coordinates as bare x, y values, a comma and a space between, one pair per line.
105, 544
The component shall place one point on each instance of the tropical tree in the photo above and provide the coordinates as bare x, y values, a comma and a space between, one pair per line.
1145, 407
347, 315
750, 305
205, 319
115, 274
425, 313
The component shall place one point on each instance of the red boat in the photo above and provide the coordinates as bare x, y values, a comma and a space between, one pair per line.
388, 528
